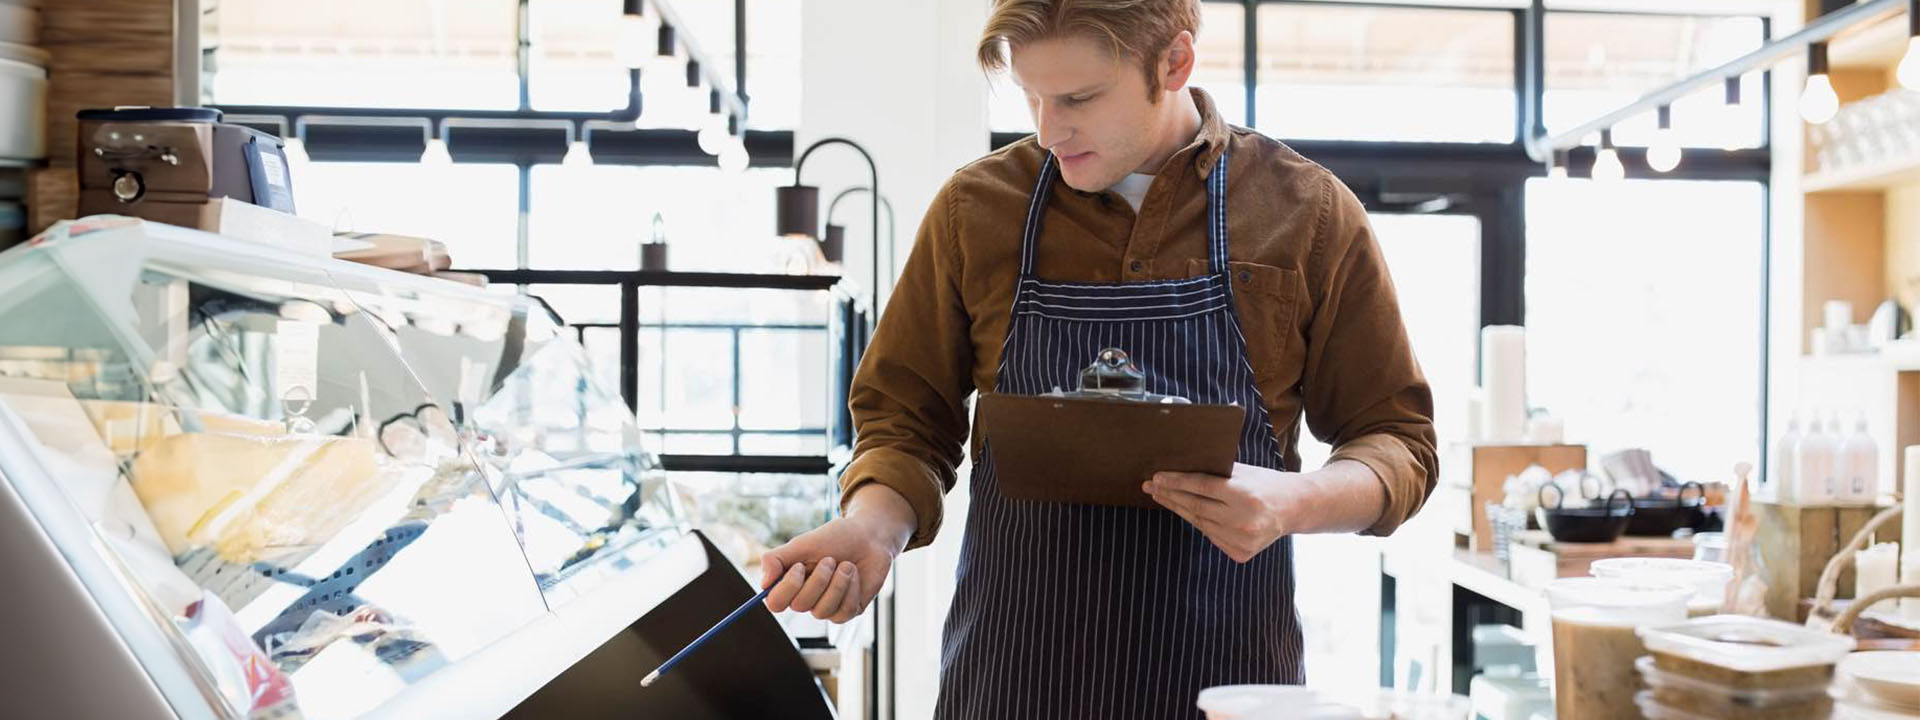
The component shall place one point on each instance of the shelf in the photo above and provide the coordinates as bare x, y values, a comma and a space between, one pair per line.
1867, 177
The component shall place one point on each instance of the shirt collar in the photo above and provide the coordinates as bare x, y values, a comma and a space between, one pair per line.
1213, 137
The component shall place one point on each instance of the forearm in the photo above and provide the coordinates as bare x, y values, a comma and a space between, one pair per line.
1344, 496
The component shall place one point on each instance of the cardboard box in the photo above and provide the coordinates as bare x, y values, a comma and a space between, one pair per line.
243, 221
1797, 542
1489, 466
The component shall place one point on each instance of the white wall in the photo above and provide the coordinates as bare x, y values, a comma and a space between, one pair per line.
899, 78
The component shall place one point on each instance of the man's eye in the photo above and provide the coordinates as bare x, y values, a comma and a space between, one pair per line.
1072, 101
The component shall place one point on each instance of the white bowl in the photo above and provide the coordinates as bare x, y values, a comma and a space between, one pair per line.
1890, 677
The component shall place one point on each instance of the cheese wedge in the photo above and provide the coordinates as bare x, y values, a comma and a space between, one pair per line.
253, 497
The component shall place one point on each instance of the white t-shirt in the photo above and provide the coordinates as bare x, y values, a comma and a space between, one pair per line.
1133, 187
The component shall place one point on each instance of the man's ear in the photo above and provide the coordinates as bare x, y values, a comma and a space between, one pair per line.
1176, 63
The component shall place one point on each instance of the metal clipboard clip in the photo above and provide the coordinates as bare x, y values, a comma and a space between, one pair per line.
1113, 376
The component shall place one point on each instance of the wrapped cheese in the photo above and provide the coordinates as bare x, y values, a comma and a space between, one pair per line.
131, 426
254, 497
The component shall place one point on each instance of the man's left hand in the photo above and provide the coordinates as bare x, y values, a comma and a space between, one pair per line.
1242, 514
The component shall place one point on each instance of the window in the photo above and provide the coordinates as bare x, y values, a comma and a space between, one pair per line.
1644, 327
595, 217
1598, 62
472, 208
1435, 263
1385, 73
1219, 52
364, 53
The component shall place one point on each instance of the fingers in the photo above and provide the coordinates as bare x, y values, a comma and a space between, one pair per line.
771, 568
815, 587
1189, 505
837, 592
1209, 487
790, 583
856, 599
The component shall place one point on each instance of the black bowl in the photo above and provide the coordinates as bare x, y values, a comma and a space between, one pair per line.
1602, 524
1659, 517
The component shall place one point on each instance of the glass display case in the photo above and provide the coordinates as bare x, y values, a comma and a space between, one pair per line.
299, 487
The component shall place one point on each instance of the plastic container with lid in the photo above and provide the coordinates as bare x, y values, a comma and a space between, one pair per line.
1745, 653
1595, 640
1699, 697
1270, 702
1709, 580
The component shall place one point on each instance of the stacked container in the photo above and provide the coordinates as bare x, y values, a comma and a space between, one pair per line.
1729, 666
23, 84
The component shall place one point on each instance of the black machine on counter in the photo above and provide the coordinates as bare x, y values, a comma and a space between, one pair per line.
171, 164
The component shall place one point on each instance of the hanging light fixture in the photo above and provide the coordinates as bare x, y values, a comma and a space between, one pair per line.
666, 49
1818, 103
1731, 112
1909, 71
1606, 163
635, 32
693, 73
1663, 154
578, 154
733, 158
713, 130
436, 152
1558, 170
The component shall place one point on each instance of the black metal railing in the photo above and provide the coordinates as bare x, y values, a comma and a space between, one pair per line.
845, 328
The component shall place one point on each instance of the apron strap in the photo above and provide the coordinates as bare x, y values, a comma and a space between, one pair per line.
1036, 211
1217, 216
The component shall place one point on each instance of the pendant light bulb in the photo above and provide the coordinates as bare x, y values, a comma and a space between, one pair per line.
1663, 153
633, 42
436, 153
733, 158
1607, 167
1557, 172
713, 134
577, 155
296, 151
1818, 103
1909, 71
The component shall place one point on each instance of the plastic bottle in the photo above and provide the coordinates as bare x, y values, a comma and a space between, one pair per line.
1814, 474
1785, 457
1860, 457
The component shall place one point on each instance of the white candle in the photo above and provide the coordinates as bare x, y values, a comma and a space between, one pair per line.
1874, 568
1503, 377
1910, 529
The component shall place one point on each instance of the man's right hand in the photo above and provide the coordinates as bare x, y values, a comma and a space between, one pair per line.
834, 570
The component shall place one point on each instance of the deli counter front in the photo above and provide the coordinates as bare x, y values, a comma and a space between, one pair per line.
240, 481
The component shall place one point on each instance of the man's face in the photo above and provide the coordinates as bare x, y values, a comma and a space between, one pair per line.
1091, 108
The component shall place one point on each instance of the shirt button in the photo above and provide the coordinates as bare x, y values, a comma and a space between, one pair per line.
1138, 266
1245, 276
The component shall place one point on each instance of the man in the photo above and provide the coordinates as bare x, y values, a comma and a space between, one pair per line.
1070, 611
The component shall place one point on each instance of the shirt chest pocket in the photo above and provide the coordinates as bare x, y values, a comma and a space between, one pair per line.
1266, 299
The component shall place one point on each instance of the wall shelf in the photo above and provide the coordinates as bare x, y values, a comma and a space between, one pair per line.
1868, 177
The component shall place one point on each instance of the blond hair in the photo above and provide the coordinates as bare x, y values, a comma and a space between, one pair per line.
1133, 29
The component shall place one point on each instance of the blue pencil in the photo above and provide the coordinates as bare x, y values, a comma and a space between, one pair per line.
697, 642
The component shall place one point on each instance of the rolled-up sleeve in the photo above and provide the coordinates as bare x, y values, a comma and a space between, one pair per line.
1364, 392
908, 398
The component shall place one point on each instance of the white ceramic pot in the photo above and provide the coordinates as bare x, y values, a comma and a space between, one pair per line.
23, 102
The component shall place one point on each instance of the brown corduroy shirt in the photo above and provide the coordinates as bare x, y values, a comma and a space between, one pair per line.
1311, 288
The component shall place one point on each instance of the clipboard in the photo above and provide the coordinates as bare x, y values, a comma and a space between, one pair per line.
1092, 451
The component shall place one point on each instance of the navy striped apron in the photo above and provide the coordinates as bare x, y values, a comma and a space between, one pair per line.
1081, 611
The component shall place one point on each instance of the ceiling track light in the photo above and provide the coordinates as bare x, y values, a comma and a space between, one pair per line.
664, 47
693, 73
1733, 90
1663, 154
1606, 162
